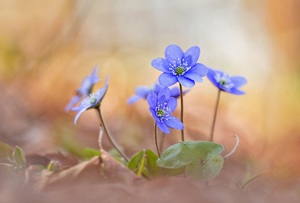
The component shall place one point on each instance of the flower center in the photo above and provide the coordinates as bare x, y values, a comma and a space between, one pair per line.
224, 81
160, 112
92, 98
179, 70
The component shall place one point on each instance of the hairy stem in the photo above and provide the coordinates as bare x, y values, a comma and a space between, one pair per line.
162, 140
157, 147
215, 116
155, 139
111, 140
181, 111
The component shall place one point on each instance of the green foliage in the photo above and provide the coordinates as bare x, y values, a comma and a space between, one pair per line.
53, 166
115, 153
19, 158
5, 152
144, 163
201, 159
88, 153
11, 159
75, 148
135, 161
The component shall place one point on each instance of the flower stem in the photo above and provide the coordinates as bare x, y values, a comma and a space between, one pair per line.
181, 111
162, 140
155, 139
157, 147
111, 140
215, 116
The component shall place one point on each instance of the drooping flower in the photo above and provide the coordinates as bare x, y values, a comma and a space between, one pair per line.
84, 89
161, 107
225, 82
180, 67
142, 92
93, 100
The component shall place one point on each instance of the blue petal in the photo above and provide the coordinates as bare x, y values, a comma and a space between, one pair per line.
73, 101
157, 88
238, 81
163, 127
172, 104
101, 93
196, 72
152, 99
93, 77
194, 53
85, 87
173, 122
236, 91
175, 92
164, 92
88, 83
133, 99
79, 113
166, 79
162, 65
142, 91
211, 76
186, 82
173, 53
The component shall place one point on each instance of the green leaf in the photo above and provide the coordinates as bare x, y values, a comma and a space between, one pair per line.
89, 153
135, 161
151, 166
184, 153
5, 152
175, 156
174, 171
201, 159
19, 157
205, 170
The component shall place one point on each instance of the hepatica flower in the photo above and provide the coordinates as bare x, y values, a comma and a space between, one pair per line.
92, 101
180, 67
84, 89
161, 107
142, 92
225, 82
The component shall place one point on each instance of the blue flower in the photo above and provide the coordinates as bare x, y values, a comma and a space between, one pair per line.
161, 107
84, 89
225, 82
93, 100
142, 92
180, 67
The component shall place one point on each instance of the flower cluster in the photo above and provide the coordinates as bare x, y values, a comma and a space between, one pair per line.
177, 67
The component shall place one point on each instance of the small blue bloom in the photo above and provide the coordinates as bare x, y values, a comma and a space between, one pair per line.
93, 100
161, 107
142, 92
85, 89
225, 82
180, 67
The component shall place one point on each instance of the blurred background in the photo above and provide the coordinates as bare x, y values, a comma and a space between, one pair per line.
48, 47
